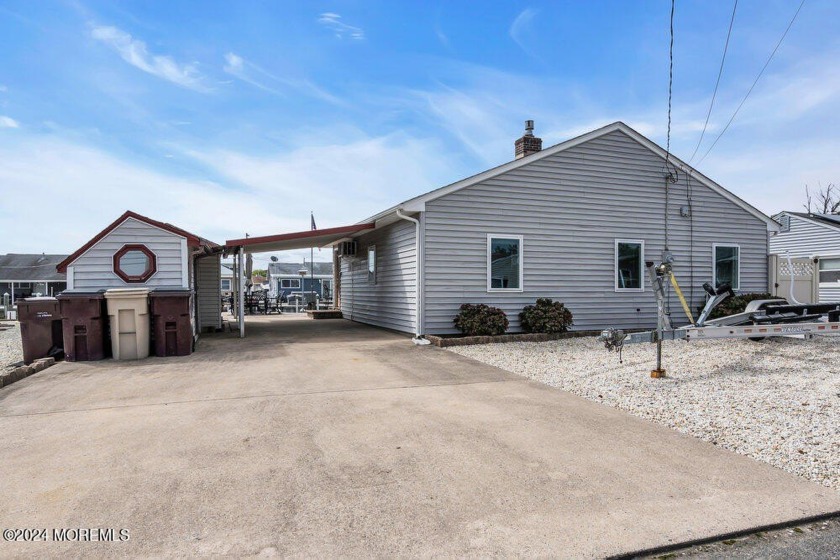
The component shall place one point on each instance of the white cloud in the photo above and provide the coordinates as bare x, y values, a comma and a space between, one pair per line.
88, 188
235, 66
135, 52
8, 122
341, 30
258, 77
343, 181
520, 27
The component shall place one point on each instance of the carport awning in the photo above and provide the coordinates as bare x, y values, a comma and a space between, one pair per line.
296, 240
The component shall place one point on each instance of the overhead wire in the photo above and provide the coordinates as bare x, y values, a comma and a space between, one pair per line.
757, 78
717, 82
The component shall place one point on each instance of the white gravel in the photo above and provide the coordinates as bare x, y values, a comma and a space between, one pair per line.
11, 350
777, 400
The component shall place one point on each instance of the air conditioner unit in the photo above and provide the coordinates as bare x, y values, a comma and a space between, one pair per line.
347, 249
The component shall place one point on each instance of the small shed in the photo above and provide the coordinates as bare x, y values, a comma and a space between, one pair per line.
137, 251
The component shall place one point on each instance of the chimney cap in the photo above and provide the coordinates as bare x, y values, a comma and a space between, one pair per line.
529, 127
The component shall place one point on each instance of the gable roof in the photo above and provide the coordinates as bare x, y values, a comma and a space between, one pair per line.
30, 268
418, 203
831, 221
192, 239
291, 269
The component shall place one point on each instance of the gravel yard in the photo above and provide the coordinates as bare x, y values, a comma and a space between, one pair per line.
777, 400
11, 350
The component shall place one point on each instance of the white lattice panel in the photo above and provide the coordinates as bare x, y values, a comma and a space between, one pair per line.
800, 268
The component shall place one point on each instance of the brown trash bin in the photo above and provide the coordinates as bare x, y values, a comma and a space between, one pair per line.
84, 325
171, 322
40, 327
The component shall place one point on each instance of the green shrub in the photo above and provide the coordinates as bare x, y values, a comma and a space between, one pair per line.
481, 320
546, 316
736, 304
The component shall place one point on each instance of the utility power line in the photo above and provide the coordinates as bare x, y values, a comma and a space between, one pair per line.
717, 83
772, 54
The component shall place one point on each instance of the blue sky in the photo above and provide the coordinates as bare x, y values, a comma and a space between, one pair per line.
233, 117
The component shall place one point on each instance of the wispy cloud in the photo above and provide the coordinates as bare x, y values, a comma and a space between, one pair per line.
519, 28
135, 52
444, 40
332, 21
8, 122
238, 67
258, 77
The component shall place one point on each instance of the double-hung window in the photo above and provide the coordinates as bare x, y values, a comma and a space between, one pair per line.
504, 263
290, 283
726, 265
629, 265
829, 271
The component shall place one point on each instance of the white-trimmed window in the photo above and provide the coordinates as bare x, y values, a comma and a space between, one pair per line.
371, 264
290, 283
629, 265
225, 284
830, 270
726, 265
504, 263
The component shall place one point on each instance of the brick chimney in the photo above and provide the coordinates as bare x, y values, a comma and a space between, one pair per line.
528, 144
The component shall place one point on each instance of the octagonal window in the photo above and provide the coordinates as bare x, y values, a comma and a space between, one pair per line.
134, 263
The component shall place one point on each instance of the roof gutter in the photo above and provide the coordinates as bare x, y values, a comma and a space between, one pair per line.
418, 288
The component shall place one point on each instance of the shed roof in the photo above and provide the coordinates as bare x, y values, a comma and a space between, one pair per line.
296, 240
18, 267
417, 204
192, 240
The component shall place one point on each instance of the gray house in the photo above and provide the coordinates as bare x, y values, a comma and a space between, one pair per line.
24, 275
815, 236
285, 277
574, 222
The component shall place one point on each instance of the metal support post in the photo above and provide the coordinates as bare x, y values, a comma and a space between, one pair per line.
241, 292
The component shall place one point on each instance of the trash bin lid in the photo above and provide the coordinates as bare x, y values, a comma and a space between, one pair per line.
169, 292
81, 293
39, 298
117, 293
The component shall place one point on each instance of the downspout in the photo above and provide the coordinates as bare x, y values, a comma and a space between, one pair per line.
418, 291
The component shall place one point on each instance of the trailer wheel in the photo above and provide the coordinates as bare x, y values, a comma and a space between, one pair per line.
757, 338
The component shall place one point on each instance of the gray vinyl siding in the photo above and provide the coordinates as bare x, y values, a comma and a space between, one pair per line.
95, 268
571, 207
391, 301
208, 292
806, 239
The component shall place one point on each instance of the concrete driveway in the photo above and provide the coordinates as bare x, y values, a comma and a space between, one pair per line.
327, 438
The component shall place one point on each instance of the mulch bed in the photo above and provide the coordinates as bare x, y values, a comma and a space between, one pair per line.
458, 340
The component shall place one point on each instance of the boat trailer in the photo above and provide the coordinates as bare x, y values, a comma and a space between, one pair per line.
760, 319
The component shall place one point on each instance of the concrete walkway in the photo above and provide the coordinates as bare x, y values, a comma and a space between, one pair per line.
327, 438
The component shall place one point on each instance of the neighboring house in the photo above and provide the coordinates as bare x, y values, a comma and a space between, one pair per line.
226, 278
136, 251
23, 275
574, 222
813, 236
285, 277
